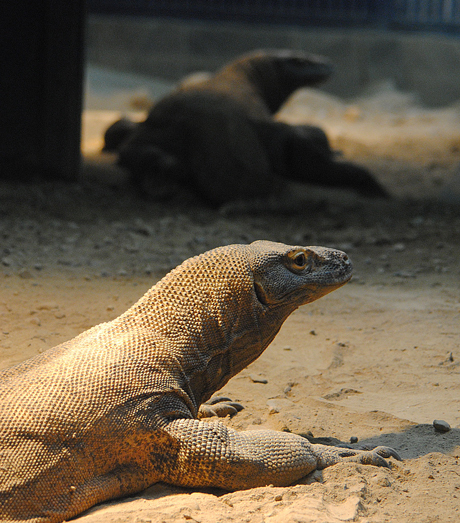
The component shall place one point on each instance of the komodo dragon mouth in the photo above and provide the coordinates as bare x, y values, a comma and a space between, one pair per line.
115, 409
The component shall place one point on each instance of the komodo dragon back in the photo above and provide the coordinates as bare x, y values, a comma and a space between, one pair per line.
115, 409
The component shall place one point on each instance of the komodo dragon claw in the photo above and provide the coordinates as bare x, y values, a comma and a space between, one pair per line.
219, 406
331, 455
385, 452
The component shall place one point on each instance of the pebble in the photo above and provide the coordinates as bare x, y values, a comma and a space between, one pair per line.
46, 306
354, 439
399, 247
258, 379
404, 274
276, 405
441, 425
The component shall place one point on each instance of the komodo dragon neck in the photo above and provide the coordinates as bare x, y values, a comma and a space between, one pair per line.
216, 313
273, 77
262, 80
215, 328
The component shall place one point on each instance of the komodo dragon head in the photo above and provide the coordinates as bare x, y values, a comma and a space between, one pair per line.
217, 312
287, 277
277, 73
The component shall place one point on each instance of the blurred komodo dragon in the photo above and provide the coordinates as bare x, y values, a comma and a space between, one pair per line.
217, 137
115, 409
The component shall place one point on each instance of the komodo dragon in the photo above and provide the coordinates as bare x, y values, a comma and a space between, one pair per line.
115, 409
218, 138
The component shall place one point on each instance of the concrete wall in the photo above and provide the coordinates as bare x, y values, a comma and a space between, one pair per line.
428, 65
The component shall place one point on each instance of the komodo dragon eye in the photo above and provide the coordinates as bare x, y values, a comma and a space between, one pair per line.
299, 260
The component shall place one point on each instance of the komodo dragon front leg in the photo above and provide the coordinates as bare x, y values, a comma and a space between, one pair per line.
115, 409
211, 454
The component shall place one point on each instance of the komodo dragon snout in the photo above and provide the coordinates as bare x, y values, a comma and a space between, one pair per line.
115, 409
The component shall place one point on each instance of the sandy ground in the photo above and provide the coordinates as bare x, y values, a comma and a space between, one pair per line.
377, 359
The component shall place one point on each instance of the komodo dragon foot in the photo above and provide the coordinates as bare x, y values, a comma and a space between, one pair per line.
328, 456
219, 406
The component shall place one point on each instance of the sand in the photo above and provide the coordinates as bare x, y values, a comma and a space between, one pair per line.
378, 359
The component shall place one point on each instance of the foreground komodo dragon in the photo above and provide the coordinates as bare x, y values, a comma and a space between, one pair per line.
115, 409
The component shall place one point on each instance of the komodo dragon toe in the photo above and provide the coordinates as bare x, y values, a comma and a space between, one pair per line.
219, 406
328, 456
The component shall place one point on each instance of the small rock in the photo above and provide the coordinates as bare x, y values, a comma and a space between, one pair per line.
287, 389
47, 306
404, 274
399, 247
313, 332
354, 439
384, 482
276, 405
441, 425
258, 379
24, 273
448, 360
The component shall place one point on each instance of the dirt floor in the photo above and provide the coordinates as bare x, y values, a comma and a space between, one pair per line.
379, 359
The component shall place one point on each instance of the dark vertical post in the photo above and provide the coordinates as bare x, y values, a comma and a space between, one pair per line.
41, 85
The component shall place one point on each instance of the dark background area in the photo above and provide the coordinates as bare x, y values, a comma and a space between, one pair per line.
42, 60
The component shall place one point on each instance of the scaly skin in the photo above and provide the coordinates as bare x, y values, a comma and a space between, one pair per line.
114, 410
